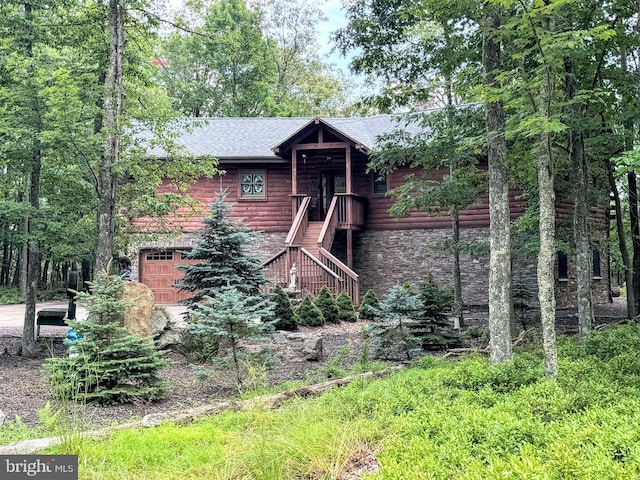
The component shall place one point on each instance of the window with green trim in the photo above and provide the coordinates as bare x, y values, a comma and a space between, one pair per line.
253, 184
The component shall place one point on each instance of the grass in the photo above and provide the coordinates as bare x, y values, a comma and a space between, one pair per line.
441, 419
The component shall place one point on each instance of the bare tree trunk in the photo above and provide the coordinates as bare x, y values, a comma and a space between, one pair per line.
547, 254
622, 242
635, 239
622, 238
581, 210
29, 344
458, 303
113, 98
500, 310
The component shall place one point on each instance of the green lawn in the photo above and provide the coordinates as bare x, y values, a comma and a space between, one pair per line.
442, 419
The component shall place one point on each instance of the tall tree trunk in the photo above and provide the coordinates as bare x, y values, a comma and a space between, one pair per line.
500, 310
546, 192
581, 208
29, 344
112, 104
622, 241
458, 303
632, 310
634, 224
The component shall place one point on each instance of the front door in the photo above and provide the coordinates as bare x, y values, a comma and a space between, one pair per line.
332, 183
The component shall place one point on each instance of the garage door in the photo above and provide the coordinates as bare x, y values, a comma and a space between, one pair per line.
158, 270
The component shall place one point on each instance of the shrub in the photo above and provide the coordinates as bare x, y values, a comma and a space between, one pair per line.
345, 305
617, 340
283, 312
409, 322
108, 365
327, 305
368, 306
391, 328
308, 314
231, 317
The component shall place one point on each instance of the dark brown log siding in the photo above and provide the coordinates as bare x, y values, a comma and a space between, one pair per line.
272, 214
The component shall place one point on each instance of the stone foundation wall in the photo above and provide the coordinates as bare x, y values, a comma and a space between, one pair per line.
384, 258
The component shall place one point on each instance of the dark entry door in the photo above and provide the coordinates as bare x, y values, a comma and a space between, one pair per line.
332, 183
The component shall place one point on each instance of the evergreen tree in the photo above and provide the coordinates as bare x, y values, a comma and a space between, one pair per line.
107, 364
225, 261
345, 306
432, 325
283, 312
327, 305
308, 314
391, 328
368, 306
409, 322
230, 317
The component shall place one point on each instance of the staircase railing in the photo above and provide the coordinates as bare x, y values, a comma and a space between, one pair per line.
311, 275
299, 225
350, 279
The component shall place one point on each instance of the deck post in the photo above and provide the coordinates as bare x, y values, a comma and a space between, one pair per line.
350, 248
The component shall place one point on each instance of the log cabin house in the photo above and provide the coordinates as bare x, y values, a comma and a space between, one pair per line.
303, 183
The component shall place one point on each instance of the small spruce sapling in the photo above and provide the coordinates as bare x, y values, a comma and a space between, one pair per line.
391, 329
368, 306
327, 305
308, 314
432, 326
110, 365
231, 317
283, 312
345, 305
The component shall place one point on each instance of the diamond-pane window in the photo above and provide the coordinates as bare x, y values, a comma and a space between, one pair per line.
252, 185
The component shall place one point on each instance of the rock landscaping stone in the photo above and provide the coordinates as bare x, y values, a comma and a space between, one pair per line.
137, 317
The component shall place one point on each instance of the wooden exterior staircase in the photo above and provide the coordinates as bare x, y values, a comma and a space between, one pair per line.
308, 246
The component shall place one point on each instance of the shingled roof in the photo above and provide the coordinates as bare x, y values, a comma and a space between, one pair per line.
256, 137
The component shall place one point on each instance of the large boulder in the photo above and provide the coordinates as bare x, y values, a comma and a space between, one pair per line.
298, 347
166, 333
137, 317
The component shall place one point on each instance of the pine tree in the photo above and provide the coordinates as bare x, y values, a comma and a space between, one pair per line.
391, 328
308, 314
432, 325
225, 261
283, 312
107, 364
345, 305
230, 317
327, 305
409, 322
368, 306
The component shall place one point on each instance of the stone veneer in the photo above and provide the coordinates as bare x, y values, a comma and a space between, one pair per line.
384, 258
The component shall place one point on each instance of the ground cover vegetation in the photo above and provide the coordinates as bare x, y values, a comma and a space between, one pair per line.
440, 419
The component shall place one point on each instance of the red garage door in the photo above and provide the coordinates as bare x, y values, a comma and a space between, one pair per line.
158, 271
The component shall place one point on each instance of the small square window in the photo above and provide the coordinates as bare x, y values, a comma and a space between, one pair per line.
563, 266
252, 184
379, 183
